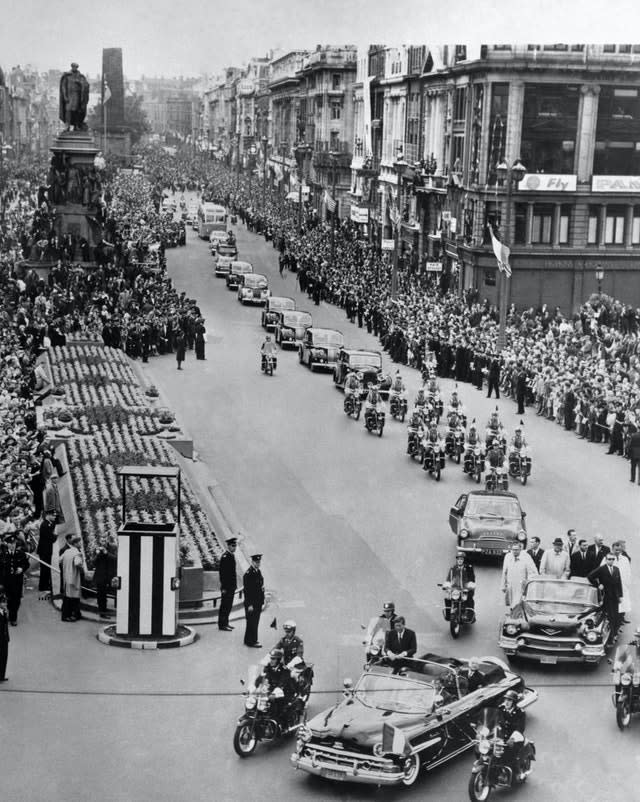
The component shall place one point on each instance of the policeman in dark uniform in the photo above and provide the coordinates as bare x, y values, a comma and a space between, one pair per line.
291, 644
513, 723
228, 583
13, 564
277, 675
253, 585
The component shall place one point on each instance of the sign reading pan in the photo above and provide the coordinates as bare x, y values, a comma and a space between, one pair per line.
615, 183
547, 182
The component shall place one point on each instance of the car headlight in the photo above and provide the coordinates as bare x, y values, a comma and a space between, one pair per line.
455, 593
378, 749
591, 636
464, 533
305, 734
250, 702
484, 747
625, 679
511, 629
522, 535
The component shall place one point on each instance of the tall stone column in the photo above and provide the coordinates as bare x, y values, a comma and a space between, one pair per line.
586, 134
514, 122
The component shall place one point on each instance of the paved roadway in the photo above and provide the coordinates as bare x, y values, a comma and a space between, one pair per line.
345, 521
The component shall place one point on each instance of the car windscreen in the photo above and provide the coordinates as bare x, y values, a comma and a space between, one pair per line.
295, 319
492, 507
259, 282
241, 267
226, 250
395, 693
365, 360
328, 338
569, 597
277, 304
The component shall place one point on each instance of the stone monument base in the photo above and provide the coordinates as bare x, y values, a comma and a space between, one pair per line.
118, 143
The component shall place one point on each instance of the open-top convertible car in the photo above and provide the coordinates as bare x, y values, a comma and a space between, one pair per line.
369, 363
404, 717
557, 621
291, 326
275, 304
320, 348
488, 523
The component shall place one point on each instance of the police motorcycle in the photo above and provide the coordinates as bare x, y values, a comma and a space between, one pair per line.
455, 609
454, 437
473, 463
519, 457
268, 364
271, 714
353, 399
374, 415
435, 401
415, 433
626, 680
495, 765
433, 459
397, 405
496, 479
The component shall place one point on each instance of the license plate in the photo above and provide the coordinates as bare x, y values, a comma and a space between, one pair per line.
492, 551
332, 774
549, 660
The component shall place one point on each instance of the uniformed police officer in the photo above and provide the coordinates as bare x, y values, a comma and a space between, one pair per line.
291, 644
228, 583
253, 585
13, 565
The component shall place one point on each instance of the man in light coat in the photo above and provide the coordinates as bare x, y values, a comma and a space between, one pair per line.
556, 562
518, 568
71, 566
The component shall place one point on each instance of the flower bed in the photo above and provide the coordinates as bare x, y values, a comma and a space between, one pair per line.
102, 385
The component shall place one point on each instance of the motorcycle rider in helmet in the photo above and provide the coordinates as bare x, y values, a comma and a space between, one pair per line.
420, 399
495, 458
398, 386
268, 347
353, 383
471, 441
461, 575
415, 429
276, 675
494, 429
430, 441
377, 629
513, 723
373, 402
291, 644
517, 443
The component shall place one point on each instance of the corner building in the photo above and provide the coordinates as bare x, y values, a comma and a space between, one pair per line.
571, 114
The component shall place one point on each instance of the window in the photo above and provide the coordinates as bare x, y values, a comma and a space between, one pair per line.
593, 229
318, 104
334, 141
335, 80
565, 217
624, 48
614, 225
549, 127
635, 227
521, 224
609, 49
457, 152
542, 224
491, 218
460, 105
336, 110
558, 48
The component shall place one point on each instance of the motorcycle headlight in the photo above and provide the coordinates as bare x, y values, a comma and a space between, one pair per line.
263, 704
455, 593
250, 702
591, 636
522, 535
464, 533
484, 747
511, 629
625, 679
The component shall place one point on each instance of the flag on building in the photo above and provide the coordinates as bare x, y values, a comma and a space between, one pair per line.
394, 741
329, 202
502, 253
106, 92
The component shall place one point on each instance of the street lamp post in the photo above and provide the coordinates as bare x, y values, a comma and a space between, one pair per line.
264, 172
599, 279
237, 162
510, 177
250, 164
333, 156
399, 166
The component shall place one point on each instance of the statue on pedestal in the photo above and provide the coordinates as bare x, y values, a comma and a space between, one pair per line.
74, 96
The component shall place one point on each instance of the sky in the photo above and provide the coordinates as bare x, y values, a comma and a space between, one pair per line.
191, 37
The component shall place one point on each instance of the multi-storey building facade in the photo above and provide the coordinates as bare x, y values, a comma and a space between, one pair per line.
287, 127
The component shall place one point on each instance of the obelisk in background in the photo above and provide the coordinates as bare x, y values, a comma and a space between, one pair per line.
118, 139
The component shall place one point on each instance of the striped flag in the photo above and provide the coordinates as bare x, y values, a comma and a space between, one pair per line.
501, 251
106, 92
329, 202
394, 741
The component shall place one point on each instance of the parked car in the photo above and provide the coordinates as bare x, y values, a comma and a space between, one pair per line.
223, 256
320, 348
237, 269
394, 723
275, 304
488, 523
253, 288
290, 328
369, 363
557, 621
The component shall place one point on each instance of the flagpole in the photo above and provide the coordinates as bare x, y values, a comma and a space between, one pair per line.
104, 126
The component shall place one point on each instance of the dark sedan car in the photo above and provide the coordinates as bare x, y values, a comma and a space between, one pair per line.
557, 621
237, 269
320, 348
394, 723
369, 363
291, 326
273, 305
488, 523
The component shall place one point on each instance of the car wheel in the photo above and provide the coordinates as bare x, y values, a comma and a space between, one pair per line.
411, 770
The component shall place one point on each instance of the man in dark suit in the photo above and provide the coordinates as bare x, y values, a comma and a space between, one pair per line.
4, 637
494, 377
400, 642
597, 552
14, 563
607, 578
634, 454
228, 583
572, 541
580, 565
253, 586
536, 552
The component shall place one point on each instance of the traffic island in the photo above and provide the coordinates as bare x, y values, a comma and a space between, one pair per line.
184, 636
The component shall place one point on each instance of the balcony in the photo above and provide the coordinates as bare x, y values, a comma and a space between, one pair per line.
324, 153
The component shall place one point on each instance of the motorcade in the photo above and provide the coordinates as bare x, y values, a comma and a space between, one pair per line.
456, 610
557, 621
626, 682
169, 204
216, 238
473, 464
224, 255
374, 420
211, 217
352, 405
401, 717
488, 523
273, 305
320, 348
253, 288
238, 268
398, 406
520, 465
192, 212
290, 328
268, 363
433, 458
369, 363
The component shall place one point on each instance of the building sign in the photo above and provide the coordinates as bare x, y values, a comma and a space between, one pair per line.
360, 214
547, 182
388, 244
434, 267
615, 183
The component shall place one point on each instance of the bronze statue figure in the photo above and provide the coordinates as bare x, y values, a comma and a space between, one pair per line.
74, 96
